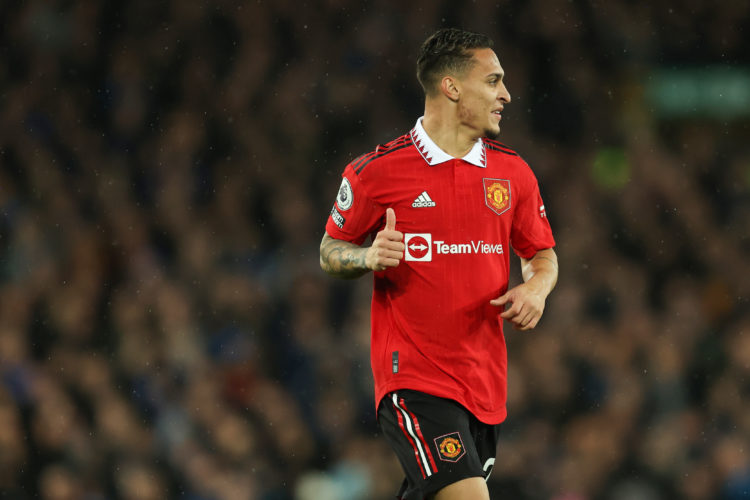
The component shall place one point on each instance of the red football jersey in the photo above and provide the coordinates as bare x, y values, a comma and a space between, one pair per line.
433, 328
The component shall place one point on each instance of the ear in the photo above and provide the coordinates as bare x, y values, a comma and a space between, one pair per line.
449, 88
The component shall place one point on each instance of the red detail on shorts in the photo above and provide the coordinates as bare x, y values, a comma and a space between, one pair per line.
411, 441
421, 437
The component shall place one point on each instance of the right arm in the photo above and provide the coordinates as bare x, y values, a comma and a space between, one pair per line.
342, 259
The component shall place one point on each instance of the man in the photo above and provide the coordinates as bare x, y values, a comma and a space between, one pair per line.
445, 203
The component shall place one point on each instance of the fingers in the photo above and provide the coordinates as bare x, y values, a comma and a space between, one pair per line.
390, 219
518, 313
512, 313
387, 249
522, 314
500, 301
524, 320
388, 254
384, 264
530, 325
389, 243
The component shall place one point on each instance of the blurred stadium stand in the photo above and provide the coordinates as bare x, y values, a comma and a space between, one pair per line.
166, 169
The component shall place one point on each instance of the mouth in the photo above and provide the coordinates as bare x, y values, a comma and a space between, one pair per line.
497, 114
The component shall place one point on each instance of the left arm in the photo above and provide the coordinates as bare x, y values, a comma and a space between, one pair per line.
527, 299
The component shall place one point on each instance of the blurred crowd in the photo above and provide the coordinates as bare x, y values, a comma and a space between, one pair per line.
166, 171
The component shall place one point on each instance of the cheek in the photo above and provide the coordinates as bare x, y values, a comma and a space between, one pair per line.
464, 112
468, 110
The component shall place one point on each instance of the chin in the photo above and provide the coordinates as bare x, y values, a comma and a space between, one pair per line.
492, 133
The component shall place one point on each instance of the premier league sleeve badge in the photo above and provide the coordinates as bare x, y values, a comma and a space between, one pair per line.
345, 198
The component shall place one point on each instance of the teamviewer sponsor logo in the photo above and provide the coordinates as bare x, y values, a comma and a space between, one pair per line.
472, 247
418, 247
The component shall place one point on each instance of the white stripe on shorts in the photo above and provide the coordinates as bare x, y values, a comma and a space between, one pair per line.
410, 429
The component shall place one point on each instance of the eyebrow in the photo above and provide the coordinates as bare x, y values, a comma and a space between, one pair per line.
498, 75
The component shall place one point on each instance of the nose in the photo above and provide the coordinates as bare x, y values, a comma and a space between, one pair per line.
504, 95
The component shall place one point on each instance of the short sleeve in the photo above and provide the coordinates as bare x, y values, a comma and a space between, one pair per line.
531, 231
354, 214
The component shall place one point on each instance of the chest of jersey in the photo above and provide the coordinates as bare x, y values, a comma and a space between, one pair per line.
454, 208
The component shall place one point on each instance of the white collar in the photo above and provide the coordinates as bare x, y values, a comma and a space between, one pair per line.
432, 153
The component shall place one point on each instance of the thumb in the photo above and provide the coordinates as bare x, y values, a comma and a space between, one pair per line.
390, 219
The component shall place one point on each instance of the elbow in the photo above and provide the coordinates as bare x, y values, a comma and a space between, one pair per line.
324, 265
325, 254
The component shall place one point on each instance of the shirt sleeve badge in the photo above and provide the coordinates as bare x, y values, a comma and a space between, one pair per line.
345, 197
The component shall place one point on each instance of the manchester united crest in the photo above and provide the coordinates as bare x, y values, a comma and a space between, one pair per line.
450, 447
497, 194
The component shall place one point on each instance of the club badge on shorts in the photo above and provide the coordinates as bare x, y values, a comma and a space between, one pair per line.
450, 447
497, 194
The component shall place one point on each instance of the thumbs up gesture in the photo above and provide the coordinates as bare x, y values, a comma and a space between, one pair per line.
387, 249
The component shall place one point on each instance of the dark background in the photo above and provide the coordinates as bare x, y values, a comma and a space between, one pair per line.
166, 170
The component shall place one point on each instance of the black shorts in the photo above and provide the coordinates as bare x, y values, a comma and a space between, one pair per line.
437, 441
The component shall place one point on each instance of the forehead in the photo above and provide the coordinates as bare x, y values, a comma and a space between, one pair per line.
485, 63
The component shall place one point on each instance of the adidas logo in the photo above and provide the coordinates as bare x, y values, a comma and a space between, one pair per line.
423, 200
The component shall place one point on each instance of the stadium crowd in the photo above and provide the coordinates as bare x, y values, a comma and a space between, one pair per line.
166, 170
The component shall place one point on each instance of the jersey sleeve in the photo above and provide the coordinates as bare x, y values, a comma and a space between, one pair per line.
530, 231
354, 214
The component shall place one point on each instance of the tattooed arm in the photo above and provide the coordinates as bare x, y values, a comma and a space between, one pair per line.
342, 259
347, 260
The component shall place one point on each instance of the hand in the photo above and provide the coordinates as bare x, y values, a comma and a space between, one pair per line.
526, 306
388, 248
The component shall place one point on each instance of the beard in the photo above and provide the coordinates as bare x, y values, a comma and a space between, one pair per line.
492, 133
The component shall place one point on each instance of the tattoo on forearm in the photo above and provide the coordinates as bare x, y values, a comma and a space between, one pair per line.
342, 259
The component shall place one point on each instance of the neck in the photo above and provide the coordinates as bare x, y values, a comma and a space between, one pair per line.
447, 131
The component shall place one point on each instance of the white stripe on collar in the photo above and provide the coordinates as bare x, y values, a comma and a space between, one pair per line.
432, 153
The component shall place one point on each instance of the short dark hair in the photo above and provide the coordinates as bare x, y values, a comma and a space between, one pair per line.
447, 50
